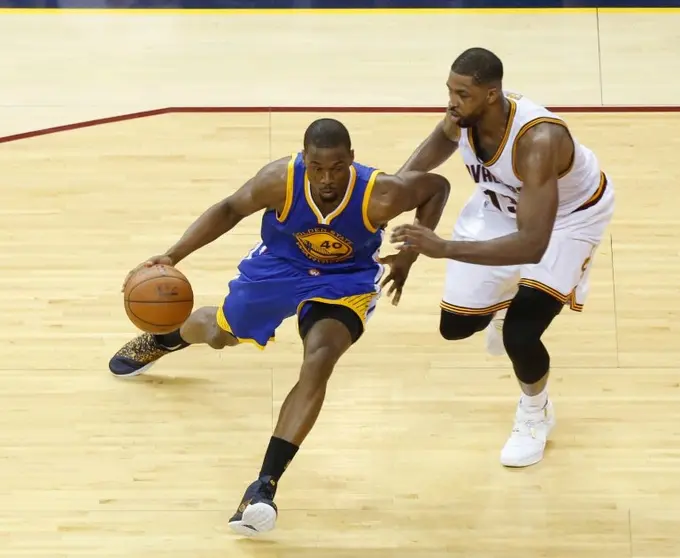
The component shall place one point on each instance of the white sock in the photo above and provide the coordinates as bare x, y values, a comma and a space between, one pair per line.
535, 402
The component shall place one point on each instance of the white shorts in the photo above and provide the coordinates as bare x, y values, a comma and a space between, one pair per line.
563, 271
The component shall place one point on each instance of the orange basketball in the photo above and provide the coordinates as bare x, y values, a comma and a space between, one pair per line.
158, 299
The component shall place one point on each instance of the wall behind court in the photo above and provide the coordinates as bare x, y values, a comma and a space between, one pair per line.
85, 64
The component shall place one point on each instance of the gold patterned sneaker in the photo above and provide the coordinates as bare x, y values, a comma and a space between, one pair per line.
138, 355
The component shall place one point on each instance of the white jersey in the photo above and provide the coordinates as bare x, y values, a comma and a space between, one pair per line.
581, 183
586, 205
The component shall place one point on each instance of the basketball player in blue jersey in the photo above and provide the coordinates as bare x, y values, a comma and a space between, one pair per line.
322, 228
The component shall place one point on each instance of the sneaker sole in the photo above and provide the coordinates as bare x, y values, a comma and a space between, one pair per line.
134, 372
531, 460
256, 519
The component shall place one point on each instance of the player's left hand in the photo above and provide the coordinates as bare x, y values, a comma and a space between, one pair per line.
419, 239
400, 265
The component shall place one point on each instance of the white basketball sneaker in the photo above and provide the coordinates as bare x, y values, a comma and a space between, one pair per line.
494, 334
526, 444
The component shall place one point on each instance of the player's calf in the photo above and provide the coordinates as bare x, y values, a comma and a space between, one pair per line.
327, 332
529, 315
140, 353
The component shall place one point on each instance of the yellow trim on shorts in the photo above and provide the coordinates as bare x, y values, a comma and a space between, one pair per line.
367, 200
566, 300
466, 311
546, 289
573, 305
290, 177
359, 304
224, 325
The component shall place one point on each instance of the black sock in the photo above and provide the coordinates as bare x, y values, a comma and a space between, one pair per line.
279, 454
172, 340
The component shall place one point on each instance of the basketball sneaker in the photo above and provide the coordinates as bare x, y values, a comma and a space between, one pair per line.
494, 334
529, 436
138, 355
257, 511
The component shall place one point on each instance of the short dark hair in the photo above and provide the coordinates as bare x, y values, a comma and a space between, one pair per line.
482, 65
327, 132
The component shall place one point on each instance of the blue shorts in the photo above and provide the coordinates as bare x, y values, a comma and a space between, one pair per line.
268, 290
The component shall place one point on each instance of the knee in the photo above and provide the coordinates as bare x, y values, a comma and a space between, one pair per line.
219, 339
518, 340
202, 325
318, 366
529, 357
529, 315
457, 326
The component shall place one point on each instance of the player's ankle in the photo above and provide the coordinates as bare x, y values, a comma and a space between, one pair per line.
278, 456
172, 340
536, 401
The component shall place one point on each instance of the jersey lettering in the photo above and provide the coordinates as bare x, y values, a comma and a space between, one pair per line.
503, 203
480, 173
498, 180
324, 245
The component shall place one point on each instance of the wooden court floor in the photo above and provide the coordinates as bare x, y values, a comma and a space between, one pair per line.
404, 459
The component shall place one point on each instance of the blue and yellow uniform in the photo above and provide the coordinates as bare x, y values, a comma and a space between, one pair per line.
304, 257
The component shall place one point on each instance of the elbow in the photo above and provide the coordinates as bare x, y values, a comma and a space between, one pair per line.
443, 186
536, 250
534, 258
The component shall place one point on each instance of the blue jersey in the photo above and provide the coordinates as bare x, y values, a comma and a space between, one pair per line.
304, 258
342, 241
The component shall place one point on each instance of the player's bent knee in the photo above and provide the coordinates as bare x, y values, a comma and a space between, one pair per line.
519, 342
220, 338
318, 364
202, 327
453, 327
529, 315
524, 348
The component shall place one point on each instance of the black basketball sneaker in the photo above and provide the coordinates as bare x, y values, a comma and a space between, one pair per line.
257, 511
138, 355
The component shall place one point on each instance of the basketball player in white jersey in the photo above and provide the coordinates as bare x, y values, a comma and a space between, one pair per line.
523, 244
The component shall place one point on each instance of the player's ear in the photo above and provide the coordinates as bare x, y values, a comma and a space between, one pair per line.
351, 155
492, 94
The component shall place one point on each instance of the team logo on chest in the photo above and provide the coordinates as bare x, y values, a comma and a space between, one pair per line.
324, 245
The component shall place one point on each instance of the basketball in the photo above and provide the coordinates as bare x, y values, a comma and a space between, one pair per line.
158, 299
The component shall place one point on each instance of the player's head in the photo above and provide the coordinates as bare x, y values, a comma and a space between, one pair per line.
475, 84
328, 156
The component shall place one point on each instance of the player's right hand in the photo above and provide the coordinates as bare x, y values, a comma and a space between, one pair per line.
154, 260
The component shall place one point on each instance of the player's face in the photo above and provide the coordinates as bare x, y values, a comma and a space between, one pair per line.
328, 170
467, 100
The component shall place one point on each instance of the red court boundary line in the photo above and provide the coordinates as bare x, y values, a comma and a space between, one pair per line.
345, 109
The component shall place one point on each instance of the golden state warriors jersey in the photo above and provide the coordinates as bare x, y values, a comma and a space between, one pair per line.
342, 241
579, 184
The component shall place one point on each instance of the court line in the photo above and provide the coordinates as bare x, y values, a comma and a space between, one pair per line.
345, 109
339, 11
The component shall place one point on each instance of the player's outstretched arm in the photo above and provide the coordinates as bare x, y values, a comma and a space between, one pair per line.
436, 149
265, 190
393, 195
537, 160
